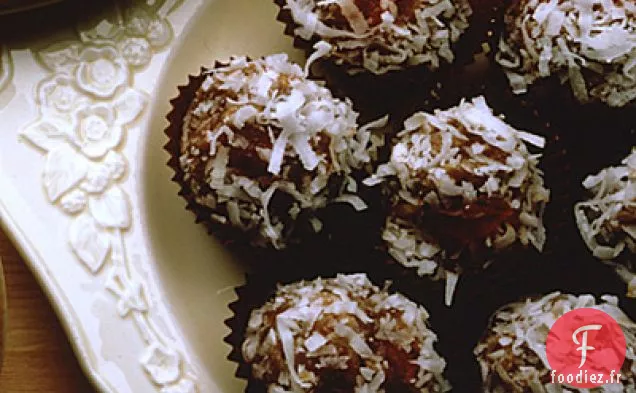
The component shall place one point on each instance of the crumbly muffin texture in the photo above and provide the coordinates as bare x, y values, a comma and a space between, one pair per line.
590, 44
460, 179
607, 221
512, 353
342, 334
382, 35
262, 145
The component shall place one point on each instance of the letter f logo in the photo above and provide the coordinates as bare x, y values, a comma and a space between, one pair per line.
584, 347
585, 341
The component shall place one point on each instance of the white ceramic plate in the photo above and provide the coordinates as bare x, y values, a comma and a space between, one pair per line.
87, 197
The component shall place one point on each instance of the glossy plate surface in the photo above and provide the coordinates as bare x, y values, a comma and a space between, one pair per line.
87, 196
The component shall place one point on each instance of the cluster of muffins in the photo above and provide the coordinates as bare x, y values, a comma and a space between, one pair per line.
262, 151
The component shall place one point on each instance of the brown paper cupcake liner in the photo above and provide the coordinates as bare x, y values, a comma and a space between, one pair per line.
173, 131
345, 230
581, 140
556, 103
512, 273
260, 287
458, 329
480, 37
230, 237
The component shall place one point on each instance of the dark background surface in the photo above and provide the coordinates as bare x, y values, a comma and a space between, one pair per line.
581, 140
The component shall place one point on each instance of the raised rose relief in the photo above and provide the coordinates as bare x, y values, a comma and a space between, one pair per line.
6, 68
86, 105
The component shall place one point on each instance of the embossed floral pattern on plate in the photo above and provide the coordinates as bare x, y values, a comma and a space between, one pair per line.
86, 106
6, 68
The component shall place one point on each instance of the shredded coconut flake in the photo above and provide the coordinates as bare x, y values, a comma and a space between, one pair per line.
267, 113
385, 40
302, 333
512, 352
591, 44
606, 220
464, 154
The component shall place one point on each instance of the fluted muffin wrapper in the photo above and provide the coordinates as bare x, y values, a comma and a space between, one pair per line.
457, 328
589, 137
344, 229
515, 274
515, 271
180, 105
578, 144
259, 287
229, 236
225, 234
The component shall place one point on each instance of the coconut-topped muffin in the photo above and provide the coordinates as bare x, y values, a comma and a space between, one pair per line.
589, 44
381, 35
607, 221
343, 335
262, 145
512, 351
461, 182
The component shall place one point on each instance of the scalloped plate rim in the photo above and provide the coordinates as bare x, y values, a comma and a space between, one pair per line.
18, 219
53, 294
